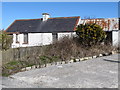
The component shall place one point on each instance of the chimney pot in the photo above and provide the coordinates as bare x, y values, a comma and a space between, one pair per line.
45, 16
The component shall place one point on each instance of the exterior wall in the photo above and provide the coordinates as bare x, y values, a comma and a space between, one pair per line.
34, 39
20, 39
115, 38
69, 34
37, 39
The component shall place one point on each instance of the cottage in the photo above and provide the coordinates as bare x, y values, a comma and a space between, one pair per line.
43, 31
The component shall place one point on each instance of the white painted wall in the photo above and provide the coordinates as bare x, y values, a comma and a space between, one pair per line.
34, 39
37, 39
115, 38
69, 34
20, 39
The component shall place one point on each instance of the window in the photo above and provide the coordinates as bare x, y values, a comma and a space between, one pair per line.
54, 36
17, 38
26, 38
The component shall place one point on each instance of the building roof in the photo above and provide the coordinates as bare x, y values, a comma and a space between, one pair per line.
61, 24
108, 24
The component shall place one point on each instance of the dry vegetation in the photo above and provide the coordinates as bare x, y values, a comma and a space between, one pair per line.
62, 50
71, 47
5, 40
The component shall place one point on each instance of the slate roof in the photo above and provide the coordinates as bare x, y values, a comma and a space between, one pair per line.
61, 24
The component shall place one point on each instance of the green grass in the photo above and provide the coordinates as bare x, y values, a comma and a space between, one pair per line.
13, 63
5, 74
29, 65
10, 67
48, 59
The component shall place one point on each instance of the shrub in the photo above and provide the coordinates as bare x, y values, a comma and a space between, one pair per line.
63, 50
90, 34
5, 40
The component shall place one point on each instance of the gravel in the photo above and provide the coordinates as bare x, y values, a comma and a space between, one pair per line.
95, 73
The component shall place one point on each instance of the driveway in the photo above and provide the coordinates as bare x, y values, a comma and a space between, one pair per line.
95, 73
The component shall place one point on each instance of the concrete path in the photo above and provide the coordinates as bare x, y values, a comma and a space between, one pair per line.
95, 73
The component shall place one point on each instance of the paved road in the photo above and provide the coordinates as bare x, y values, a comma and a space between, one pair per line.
95, 73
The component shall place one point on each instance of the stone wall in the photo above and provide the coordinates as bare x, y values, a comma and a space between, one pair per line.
19, 53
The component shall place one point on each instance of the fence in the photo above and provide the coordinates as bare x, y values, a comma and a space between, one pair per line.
20, 53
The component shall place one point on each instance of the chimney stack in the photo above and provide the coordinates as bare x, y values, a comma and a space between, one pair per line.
45, 16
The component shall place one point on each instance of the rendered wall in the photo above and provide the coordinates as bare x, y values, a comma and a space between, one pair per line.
37, 39
115, 38
69, 34
34, 39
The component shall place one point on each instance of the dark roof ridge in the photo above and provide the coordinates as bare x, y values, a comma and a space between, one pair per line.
48, 18
64, 17
27, 19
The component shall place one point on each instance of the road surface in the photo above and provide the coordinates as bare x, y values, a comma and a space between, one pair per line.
95, 73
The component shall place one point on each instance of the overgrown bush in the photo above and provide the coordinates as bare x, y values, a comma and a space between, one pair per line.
63, 50
90, 34
67, 48
5, 40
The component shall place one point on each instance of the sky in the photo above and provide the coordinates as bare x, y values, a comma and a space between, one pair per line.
32, 10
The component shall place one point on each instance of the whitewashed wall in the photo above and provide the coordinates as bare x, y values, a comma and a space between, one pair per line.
37, 39
115, 37
20, 39
40, 39
69, 34
34, 39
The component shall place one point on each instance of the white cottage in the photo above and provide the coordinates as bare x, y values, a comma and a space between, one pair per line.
43, 31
